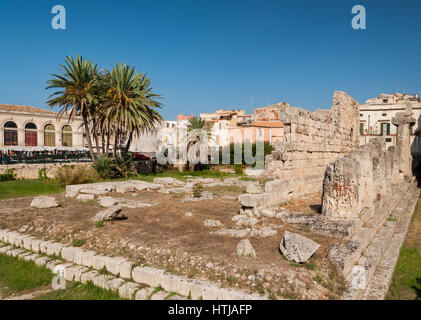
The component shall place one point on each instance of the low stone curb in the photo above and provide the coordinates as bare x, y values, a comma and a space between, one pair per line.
88, 263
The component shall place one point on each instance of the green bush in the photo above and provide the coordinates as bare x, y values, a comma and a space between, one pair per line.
238, 168
8, 175
197, 190
112, 168
105, 167
68, 175
42, 173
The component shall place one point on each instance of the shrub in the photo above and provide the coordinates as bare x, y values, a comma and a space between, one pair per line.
78, 242
42, 173
105, 167
126, 167
239, 169
197, 190
68, 175
8, 175
111, 168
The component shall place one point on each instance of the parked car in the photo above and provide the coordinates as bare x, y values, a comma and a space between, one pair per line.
139, 157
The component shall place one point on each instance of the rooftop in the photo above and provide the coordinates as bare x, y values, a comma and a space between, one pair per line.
25, 109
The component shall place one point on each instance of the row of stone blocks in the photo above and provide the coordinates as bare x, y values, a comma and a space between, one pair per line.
374, 239
379, 284
120, 267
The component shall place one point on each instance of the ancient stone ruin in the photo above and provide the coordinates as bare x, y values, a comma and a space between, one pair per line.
368, 192
312, 141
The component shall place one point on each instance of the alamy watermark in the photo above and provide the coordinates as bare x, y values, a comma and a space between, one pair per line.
359, 20
181, 146
59, 281
59, 20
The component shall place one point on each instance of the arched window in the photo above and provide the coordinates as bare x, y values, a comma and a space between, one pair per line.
30, 135
10, 134
66, 136
49, 136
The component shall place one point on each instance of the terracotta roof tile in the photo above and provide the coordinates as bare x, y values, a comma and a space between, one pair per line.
16, 108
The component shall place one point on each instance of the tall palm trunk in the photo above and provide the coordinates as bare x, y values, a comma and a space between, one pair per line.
95, 134
129, 141
116, 136
108, 139
88, 137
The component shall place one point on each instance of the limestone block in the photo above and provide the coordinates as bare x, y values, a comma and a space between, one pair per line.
297, 247
54, 248
245, 249
108, 214
148, 275
42, 261
107, 202
144, 293
115, 283
98, 262
263, 232
27, 242
113, 265
79, 272
242, 220
125, 269
35, 245
103, 281
24, 254
15, 252
88, 276
87, 258
44, 202
235, 233
252, 200
92, 192
5, 249
128, 290
43, 246
3, 234
85, 197
69, 273
169, 181
31, 257
212, 223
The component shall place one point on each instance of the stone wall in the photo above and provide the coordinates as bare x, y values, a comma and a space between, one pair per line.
355, 184
312, 139
30, 171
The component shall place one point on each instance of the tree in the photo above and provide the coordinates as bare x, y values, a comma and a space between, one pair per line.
197, 142
75, 94
129, 104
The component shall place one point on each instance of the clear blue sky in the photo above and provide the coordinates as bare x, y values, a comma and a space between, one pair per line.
207, 54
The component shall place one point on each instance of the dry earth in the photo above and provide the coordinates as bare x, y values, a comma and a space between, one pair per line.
163, 236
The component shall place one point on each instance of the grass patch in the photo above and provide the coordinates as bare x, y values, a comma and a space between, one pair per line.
80, 291
25, 188
187, 175
18, 275
78, 242
99, 224
406, 281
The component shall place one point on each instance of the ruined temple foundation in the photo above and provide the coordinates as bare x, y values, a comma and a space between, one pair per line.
369, 194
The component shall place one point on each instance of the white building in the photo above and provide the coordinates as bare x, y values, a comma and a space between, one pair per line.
377, 113
24, 126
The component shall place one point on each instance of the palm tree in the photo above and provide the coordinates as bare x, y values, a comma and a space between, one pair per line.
75, 95
129, 104
197, 142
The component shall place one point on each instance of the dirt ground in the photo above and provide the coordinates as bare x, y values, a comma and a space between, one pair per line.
164, 237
